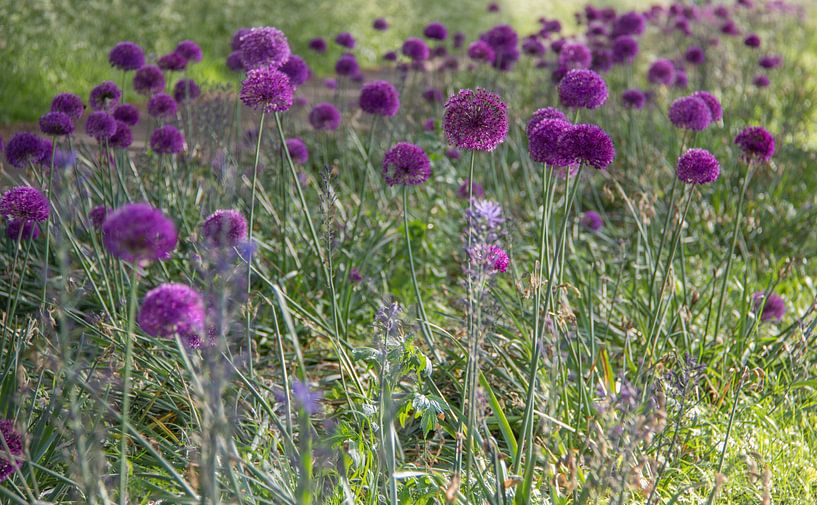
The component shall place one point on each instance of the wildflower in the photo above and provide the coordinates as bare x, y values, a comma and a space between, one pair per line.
761, 81
347, 65
68, 103
98, 215
380, 98
296, 69
625, 49
186, 89
224, 228
633, 98
435, 31
661, 72
264, 47
756, 142
324, 116
105, 96
481, 51
318, 45
25, 148
712, 103
380, 24
267, 89
475, 120
234, 62
587, 144
698, 166
582, 88
122, 136
345, 39
541, 114
139, 233
630, 23
189, 50
415, 49
773, 308
148, 80
308, 400
298, 151
695, 55
173, 62
752, 40
477, 191
126, 113
100, 125
14, 442
56, 123
22, 230
126, 56
592, 221
167, 140
406, 164
543, 142
575, 56
162, 106
690, 113
171, 310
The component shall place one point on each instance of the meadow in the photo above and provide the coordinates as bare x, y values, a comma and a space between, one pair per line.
446, 257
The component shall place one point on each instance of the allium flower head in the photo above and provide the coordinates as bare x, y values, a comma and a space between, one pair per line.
170, 310
324, 116
15, 444
432, 95
756, 143
234, 62
661, 72
189, 50
68, 103
481, 51
347, 65
267, 89
127, 56
690, 113
502, 38
452, 153
162, 106
224, 228
380, 98
695, 55
105, 96
24, 203
592, 221
712, 102
172, 62
435, 31
148, 80
380, 24
126, 113
532, 47
543, 142
583, 88
318, 44
761, 81
698, 166
22, 230
100, 125
235, 40
139, 233
56, 123
406, 164
544, 113
297, 150
752, 40
186, 89
475, 119
625, 49
264, 47
770, 61
575, 56
123, 137
630, 23
98, 215
25, 148
345, 39
587, 144
633, 98
296, 69
773, 308
167, 140
415, 49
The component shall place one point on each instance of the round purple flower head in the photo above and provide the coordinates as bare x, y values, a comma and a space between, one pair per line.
68, 103
477, 191
105, 96
475, 120
380, 24
756, 143
502, 38
415, 49
380, 98
189, 50
22, 230
267, 89
127, 56
583, 88
771, 61
532, 47
492, 7
235, 41
497, 259
690, 113
390, 56
98, 215
695, 55
224, 228
345, 39
406, 164
324, 116
318, 44
25, 148
587, 144
712, 102
661, 72
543, 142
592, 221
24, 203
148, 80
752, 40
172, 62
100, 125
545, 113
633, 98
481, 51
625, 49
296, 69
234, 62
167, 140
330, 84
347, 65
126, 113
297, 151
162, 106
186, 89
15, 444
122, 137
761, 81
264, 47
773, 308
56, 123
170, 310
139, 233
575, 56
435, 31
698, 166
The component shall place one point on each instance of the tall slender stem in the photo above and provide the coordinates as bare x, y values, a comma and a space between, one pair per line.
48, 222
249, 253
123, 448
421, 310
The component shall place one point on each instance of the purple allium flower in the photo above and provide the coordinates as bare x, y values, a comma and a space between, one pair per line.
761, 81
122, 138
224, 228
330, 84
68, 103
98, 215
492, 7
345, 39
432, 95
429, 125
477, 191
587, 144
380, 98
307, 400
167, 140
24, 203
681, 79
497, 259
25, 148
267, 89
582, 88
544, 113
452, 154
695, 55
22, 230
481, 51
770, 61
148, 80
633, 98
756, 143
475, 120
297, 150
235, 41
575, 56
264, 47
100, 125
347, 65
186, 89
501, 38
661, 72
730, 28
712, 102
105, 96
56, 124
172, 62
126, 56
296, 69
139, 233
773, 308
458, 40
390, 56
557, 45
172, 309
189, 50
698, 166
625, 49
380, 24
690, 113
532, 47
435, 31
126, 113
752, 40
543, 142
355, 276
162, 106
602, 60
234, 62
415, 49
630, 23
324, 116
318, 44
592, 221
406, 164
15, 444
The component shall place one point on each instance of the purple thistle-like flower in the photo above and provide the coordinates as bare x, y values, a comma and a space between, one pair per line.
761, 81
149, 80
477, 191
56, 123
162, 106
123, 137
14, 441
630, 23
752, 40
481, 51
345, 39
172, 62
267, 89
98, 215
139, 233
625, 49
486, 214
380, 98
695, 55
698, 166
587, 144
307, 400
773, 308
25, 148
690, 113
583, 88
633, 98
224, 228
390, 56
318, 44
68, 103
264, 47
770, 61
415, 49
64, 159
324, 116
355, 276
347, 65
541, 114
170, 310
22, 230
476, 120
756, 143
234, 62
575, 56
406, 164
186, 89
380, 24
543, 142
24, 203
602, 60
330, 84
497, 258
127, 56
492, 7
592, 221
100, 125
435, 31
235, 40
167, 140
298, 151
126, 113
661, 72
432, 95
712, 102
429, 125
296, 69
681, 79
105, 96
501, 38
189, 50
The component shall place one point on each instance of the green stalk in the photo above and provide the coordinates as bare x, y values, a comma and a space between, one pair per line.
424, 326
123, 448
48, 222
250, 255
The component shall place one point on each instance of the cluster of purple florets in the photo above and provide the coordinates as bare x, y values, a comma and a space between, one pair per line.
475, 120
